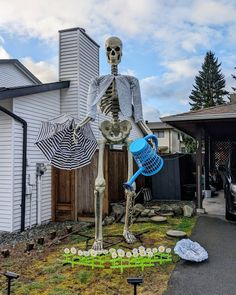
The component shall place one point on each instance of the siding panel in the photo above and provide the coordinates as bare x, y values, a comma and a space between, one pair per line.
40, 107
11, 76
5, 169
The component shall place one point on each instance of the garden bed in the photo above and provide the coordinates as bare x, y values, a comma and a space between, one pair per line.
42, 272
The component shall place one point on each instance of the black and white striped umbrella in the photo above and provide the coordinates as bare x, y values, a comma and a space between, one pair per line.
55, 140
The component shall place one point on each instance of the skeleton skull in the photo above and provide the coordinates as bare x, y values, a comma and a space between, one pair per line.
113, 47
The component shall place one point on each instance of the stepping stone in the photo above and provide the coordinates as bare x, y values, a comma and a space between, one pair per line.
158, 219
167, 214
176, 234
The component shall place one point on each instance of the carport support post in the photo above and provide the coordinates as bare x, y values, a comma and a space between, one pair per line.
199, 170
207, 162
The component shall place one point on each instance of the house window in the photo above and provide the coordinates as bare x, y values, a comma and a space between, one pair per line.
160, 134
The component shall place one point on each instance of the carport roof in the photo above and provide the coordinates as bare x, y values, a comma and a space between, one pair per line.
218, 121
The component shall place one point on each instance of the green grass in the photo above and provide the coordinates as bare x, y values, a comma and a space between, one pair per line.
45, 274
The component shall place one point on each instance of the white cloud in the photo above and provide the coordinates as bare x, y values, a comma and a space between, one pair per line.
3, 53
213, 12
151, 114
181, 69
128, 72
184, 102
44, 71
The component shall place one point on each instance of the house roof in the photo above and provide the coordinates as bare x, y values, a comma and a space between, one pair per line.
22, 68
218, 121
217, 112
158, 126
12, 92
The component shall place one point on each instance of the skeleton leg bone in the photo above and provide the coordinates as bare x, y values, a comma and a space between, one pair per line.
129, 237
98, 198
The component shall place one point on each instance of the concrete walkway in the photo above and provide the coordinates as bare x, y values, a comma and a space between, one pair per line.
215, 206
217, 275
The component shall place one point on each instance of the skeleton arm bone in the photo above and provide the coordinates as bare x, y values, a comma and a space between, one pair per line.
145, 129
91, 107
78, 126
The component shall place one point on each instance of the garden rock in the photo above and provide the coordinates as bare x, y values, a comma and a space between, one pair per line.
118, 210
188, 211
108, 220
142, 219
189, 250
122, 219
145, 212
138, 208
152, 213
177, 210
166, 208
155, 208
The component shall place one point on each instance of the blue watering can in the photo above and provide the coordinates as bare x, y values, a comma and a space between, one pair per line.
146, 157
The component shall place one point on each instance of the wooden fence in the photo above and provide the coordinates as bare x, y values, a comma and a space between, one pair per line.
72, 191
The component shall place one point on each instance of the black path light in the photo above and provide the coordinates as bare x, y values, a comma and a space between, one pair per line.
10, 276
135, 282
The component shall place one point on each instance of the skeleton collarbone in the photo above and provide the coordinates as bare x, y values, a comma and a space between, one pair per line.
114, 131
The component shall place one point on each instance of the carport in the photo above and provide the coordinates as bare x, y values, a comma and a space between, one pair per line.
214, 129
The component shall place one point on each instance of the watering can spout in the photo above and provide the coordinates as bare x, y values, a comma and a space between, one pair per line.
128, 185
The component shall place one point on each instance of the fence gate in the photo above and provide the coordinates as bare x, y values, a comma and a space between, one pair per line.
63, 195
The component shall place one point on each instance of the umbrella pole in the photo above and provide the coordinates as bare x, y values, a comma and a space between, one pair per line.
98, 195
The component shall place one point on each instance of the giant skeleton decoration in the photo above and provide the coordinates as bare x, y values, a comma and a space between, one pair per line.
115, 93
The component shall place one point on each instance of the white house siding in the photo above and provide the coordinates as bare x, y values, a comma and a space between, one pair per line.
5, 168
34, 109
11, 76
175, 142
68, 70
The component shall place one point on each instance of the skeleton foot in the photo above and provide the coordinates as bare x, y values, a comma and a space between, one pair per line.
129, 237
97, 245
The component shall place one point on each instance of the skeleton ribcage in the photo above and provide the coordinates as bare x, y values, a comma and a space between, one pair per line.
110, 102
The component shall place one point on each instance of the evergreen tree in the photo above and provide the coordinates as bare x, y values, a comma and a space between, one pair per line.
234, 88
209, 85
189, 143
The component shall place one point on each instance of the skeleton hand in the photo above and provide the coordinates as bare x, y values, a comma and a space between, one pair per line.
152, 144
75, 133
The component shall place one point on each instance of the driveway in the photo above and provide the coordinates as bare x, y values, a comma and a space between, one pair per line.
217, 275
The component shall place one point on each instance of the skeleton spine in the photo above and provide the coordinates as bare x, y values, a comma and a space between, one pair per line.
115, 107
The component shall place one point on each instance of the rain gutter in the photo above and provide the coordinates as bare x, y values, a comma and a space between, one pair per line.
24, 163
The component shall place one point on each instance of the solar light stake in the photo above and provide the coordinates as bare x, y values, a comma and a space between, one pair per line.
135, 282
10, 276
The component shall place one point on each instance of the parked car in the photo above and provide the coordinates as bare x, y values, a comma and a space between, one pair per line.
229, 173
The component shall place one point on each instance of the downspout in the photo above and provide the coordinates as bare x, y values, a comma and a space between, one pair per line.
24, 163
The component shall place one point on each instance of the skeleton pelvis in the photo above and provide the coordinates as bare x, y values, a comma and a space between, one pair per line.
115, 132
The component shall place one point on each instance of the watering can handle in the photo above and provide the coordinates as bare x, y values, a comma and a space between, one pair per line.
152, 136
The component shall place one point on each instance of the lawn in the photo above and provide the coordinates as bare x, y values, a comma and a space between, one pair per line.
42, 271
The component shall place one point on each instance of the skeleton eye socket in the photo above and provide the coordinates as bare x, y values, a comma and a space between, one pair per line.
108, 48
117, 49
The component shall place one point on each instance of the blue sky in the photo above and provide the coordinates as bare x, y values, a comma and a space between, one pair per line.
164, 42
